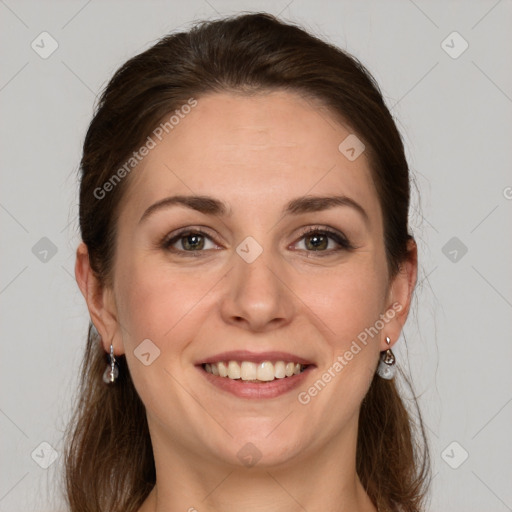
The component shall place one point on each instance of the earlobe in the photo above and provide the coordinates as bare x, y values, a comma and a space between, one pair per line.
400, 294
98, 298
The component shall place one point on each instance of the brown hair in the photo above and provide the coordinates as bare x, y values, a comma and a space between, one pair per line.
109, 459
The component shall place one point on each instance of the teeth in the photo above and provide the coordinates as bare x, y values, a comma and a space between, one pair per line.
249, 371
265, 371
233, 370
280, 370
223, 369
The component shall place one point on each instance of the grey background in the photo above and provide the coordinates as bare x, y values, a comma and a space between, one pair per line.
455, 117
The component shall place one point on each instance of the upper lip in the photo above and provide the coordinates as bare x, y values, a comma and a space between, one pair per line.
255, 357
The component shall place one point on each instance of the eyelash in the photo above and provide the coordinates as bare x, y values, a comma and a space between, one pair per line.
338, 237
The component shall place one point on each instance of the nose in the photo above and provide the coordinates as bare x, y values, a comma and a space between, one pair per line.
257, 296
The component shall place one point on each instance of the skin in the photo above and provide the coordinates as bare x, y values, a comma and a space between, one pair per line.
255, 153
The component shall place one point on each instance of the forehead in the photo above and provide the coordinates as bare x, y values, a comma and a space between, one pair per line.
258, 149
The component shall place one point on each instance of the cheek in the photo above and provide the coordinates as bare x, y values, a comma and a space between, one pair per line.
346, 301
165, 305
154, 304
162, 308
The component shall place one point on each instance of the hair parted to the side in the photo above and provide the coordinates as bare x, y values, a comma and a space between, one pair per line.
109, 464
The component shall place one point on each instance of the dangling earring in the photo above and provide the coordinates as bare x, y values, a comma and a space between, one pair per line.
112, 371
387, 368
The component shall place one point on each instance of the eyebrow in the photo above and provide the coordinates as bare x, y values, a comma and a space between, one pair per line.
211, 206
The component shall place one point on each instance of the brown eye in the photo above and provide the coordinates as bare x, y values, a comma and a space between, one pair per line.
193, 242
323, 241
317, 242
189, 241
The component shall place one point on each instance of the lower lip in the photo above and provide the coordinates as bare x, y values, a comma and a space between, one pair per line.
245, 389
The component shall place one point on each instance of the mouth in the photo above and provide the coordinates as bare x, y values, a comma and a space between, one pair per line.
250, 375
248, 371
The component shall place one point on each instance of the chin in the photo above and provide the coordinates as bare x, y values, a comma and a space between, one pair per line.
266, 447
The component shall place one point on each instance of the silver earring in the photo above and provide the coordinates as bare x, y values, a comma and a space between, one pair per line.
112, 371
387, 363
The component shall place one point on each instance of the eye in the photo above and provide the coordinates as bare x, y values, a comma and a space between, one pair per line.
313, 239
323, 240
189, 241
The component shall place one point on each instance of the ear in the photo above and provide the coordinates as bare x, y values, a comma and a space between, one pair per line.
100, 300
400, 295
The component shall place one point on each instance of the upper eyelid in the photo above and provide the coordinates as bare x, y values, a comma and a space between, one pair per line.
184, 231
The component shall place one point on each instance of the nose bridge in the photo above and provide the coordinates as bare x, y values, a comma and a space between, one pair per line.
256, 295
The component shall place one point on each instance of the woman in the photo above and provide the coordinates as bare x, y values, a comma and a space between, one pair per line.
247, 266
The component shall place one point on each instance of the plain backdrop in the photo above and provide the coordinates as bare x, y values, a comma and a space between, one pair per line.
444, 69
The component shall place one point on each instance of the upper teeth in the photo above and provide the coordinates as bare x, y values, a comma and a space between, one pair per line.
247, 370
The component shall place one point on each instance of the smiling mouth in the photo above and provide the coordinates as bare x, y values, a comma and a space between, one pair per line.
248, 371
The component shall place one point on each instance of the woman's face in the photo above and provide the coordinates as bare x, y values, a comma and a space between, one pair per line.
233, 281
